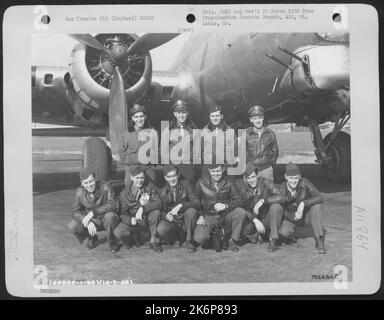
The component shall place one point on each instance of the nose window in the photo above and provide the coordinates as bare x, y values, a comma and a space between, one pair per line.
48, 79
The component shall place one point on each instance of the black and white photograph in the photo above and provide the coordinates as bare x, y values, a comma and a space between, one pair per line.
192, 158
292, 203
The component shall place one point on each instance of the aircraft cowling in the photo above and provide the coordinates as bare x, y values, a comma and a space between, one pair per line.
326, 68
91, 72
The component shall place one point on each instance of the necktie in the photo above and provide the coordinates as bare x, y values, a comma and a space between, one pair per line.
174, 195
138, 194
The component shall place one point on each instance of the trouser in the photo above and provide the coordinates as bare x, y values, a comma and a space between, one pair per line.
312, 217
150, 171
271, 221
235, 219
166, 229
108, 222
267, 173
125, 230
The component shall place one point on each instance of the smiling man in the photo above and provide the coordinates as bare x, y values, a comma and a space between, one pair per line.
180, 207
218, 140
302, 204
130, 143
262, 201
140, 207
262, 149
221, 201
94, 210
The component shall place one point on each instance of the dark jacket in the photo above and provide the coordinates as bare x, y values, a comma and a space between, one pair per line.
262, 152
208, 146
305, 192
99, 202
185, 195
129, 205
225, 192
264, 189
130, 144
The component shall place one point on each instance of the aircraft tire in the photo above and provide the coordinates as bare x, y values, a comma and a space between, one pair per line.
96, 157
340, 152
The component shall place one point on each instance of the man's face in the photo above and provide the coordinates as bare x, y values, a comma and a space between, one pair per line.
139, 118
172, 177
293, 180
181, 116
216, 173
138, 180
257, 121
252, 180
216, 117
89, 184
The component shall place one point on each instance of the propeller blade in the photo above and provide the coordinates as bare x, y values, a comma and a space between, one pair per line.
90, 41
150, 41
117, 112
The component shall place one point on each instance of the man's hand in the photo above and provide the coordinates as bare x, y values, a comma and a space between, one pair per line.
144, 199
176, 209
201, 221
220, 206
139, 214
169, 216
259, 225
92, 229
87, 218
299, 212
258, 206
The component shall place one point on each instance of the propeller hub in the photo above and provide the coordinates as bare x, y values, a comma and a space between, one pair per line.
118, 52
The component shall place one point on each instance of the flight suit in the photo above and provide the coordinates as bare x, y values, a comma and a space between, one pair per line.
187, 216
270, 213
262, 150
129, 201
101, 202
187, 171
129, 149
226, 146
210, 193
305, 192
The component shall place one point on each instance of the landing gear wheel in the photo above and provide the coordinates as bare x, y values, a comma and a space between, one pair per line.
339, 151
96, 156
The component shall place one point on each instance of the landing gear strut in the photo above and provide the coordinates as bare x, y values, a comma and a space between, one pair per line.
334, 152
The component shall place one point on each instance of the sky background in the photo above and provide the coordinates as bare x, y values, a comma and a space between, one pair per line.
55, 49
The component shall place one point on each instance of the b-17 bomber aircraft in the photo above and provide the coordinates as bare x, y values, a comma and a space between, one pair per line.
300, 78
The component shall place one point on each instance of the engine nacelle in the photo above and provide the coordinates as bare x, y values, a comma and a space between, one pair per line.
91, 72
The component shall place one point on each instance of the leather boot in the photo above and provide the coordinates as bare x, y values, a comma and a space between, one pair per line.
272, 245
320, 245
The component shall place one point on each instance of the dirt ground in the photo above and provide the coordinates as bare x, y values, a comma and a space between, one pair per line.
56, 164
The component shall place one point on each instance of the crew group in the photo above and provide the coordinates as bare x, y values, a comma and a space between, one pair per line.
193, 211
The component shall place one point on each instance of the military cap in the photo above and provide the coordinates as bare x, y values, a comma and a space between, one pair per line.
137, 108
249, 169
215, 165
85, 173
180, 105
168, 168
213, 108
292, 169
136, 169
256, 111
